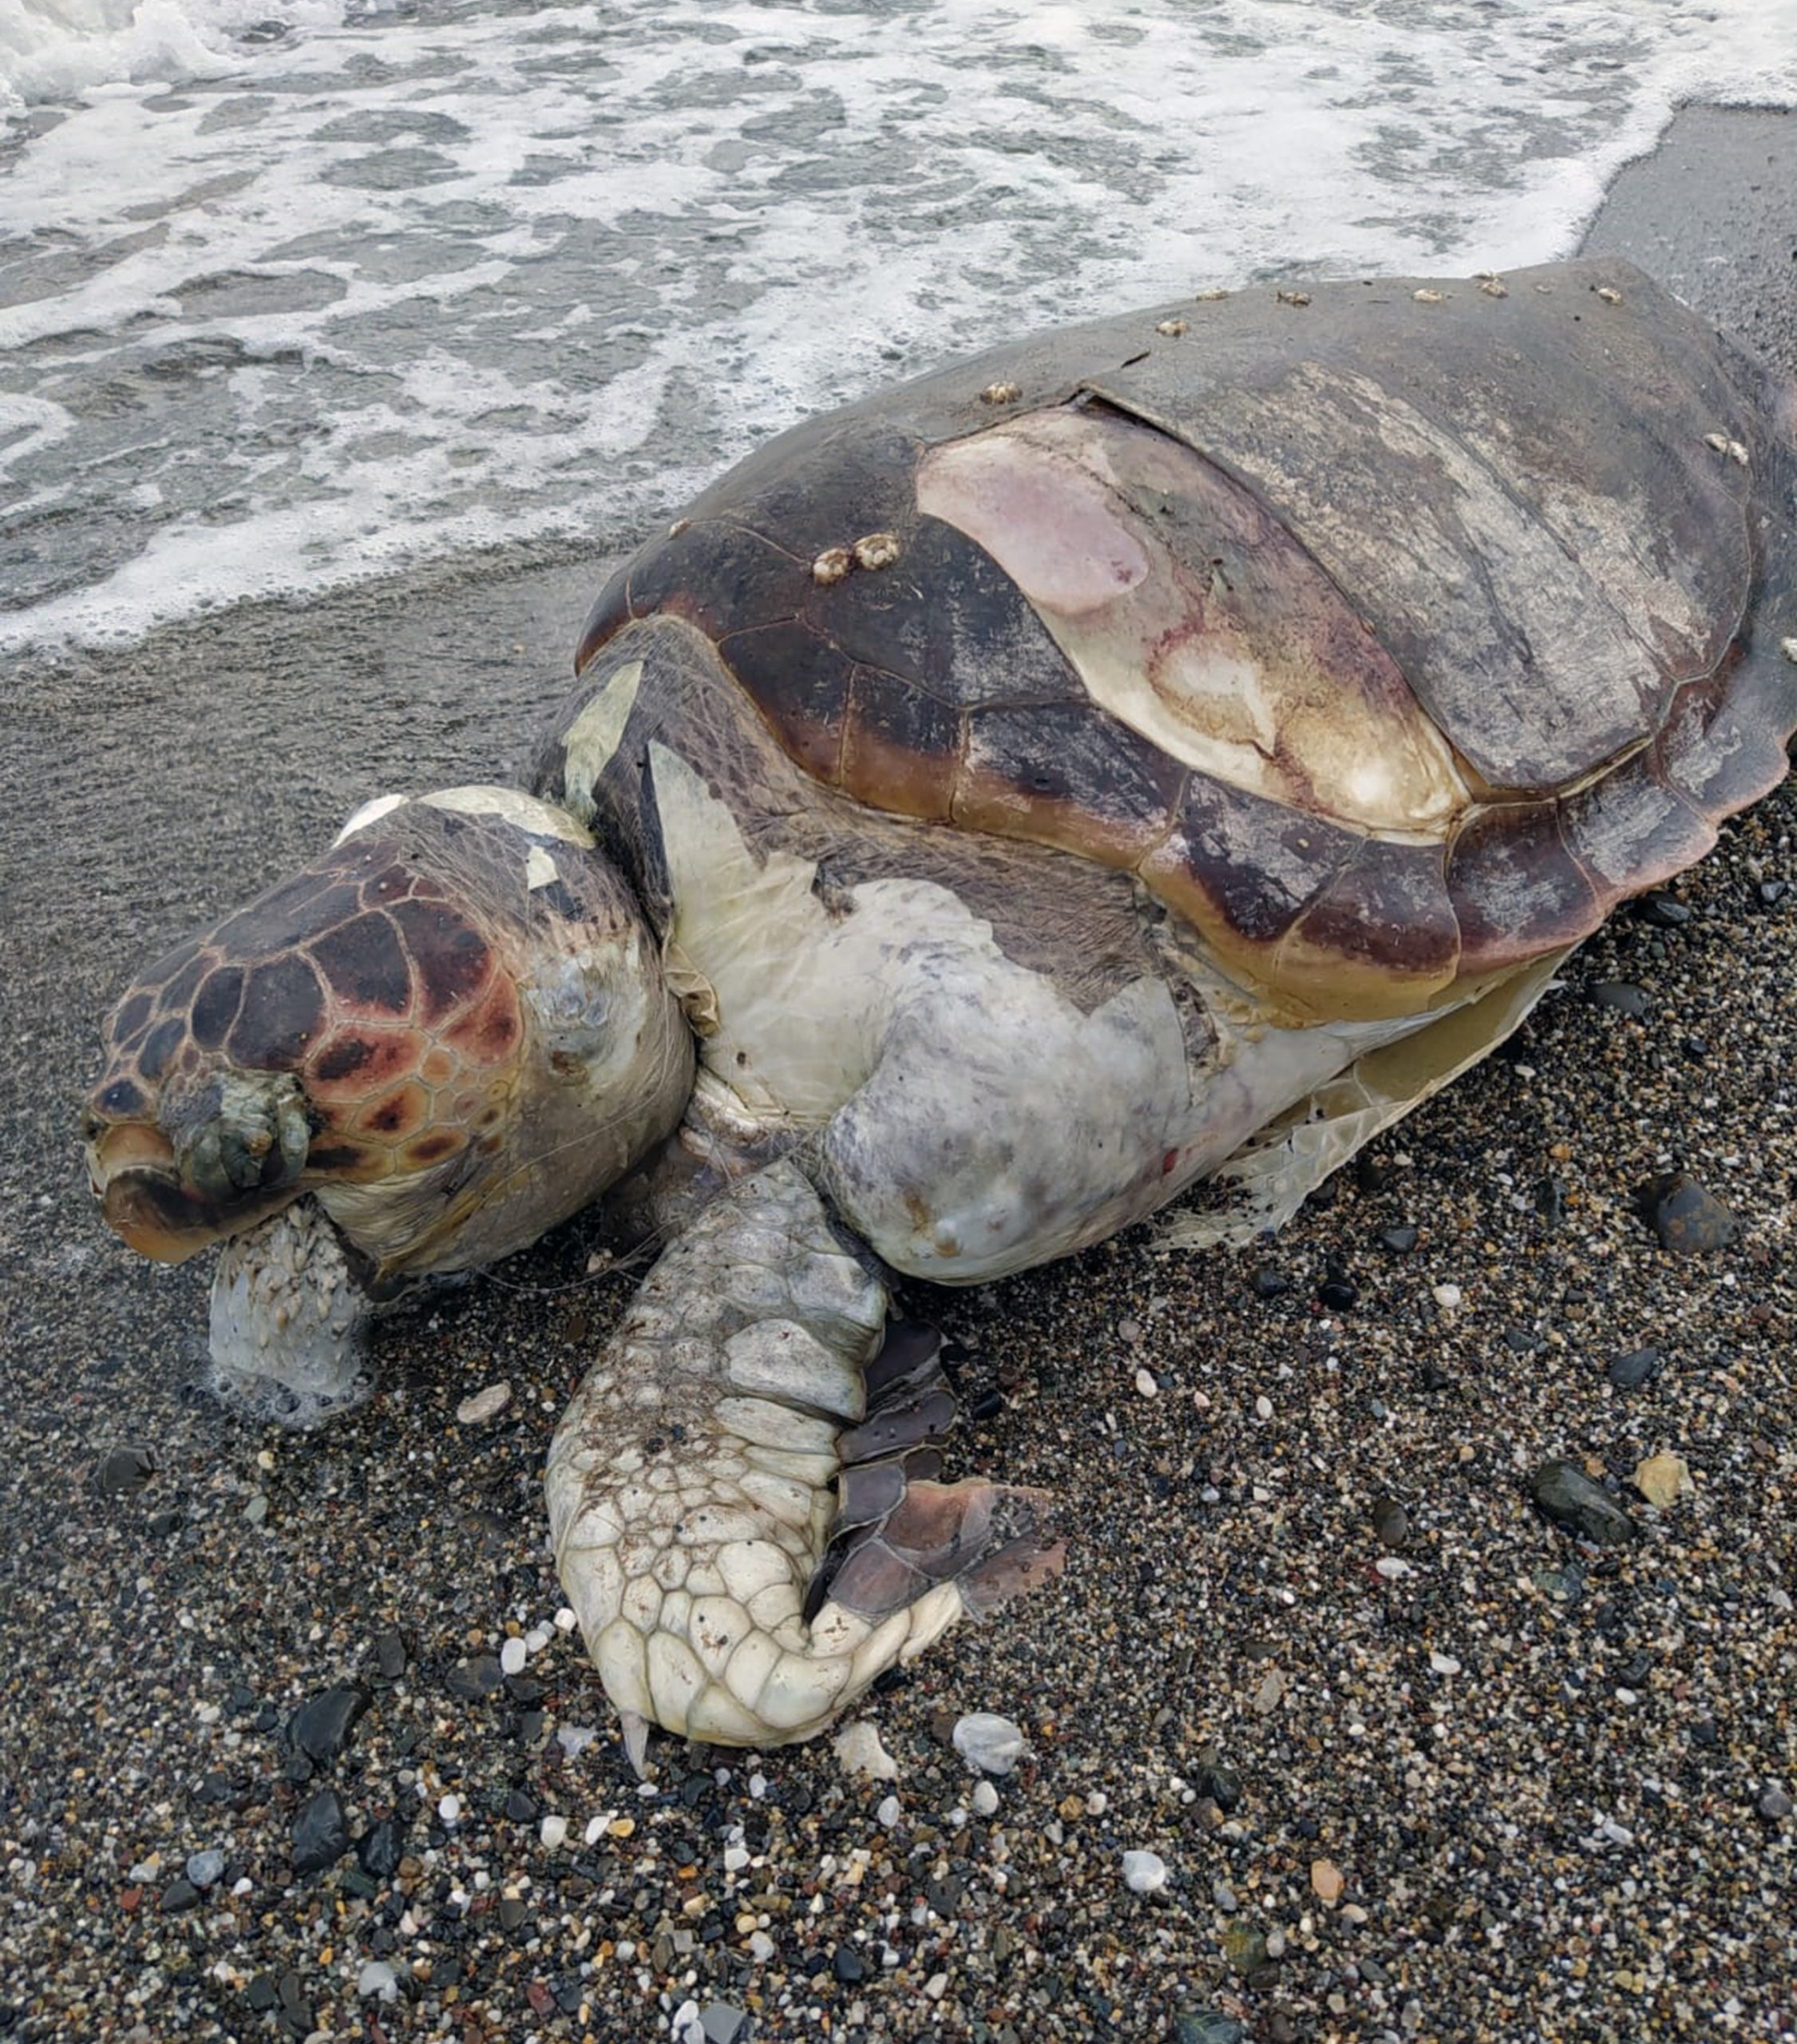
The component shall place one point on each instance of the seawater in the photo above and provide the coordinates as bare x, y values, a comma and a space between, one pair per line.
290, 294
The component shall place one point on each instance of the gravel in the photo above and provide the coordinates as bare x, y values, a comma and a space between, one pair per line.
1519, 1851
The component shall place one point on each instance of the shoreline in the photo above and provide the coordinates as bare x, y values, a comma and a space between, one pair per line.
1541, 1777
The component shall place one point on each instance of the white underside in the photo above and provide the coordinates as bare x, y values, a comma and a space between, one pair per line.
975, 1120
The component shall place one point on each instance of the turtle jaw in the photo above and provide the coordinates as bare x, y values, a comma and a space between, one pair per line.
172, 1191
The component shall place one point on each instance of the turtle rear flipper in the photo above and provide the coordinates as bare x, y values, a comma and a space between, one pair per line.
1269, 1179
703, 1475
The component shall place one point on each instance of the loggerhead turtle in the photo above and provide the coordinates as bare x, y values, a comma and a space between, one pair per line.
1169, 748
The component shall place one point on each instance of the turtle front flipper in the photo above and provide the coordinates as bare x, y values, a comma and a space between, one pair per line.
743, 1500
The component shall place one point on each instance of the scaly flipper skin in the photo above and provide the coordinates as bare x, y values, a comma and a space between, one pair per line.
692, 1487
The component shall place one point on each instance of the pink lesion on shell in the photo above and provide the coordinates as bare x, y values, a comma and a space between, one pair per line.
1050, 525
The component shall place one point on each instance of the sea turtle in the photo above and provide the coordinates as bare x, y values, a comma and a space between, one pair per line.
1168, 748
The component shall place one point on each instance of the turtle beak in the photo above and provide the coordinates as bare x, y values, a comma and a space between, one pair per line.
132, 1171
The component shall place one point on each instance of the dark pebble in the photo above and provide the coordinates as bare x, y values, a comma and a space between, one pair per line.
1771, 892
848, 1965
1338, 1295
1431, 1377
1774, 1805
1688, 1218
1520, 1341
1400, 1241
260, 1993
321, 1832
124, 1470
1220, 1782
162, 1523
321, 1727
390, 1654
1206, 2026
179, 1894
1663, 911
1630, 1371
1550, 1201
1370, 1174
520, 1807
1271, 1284
1625, 999
1569, 1497
723, 2024
475, 1680
513, 1911
381, 1847
1391, 1523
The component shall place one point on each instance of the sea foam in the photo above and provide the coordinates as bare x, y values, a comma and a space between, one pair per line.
408, 284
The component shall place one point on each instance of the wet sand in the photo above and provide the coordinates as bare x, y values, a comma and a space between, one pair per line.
1506, 1788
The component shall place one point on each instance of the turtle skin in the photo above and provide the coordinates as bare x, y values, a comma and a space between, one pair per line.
1389, 634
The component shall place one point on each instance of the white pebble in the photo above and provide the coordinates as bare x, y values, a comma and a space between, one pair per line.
595, 1828
1392, 1567
1146, 1385
512, 1657
377, 1978
1263, 1407
761, 1947
484, 1405
860, 1752
1144, 1873
449, 1808
574, 1739
565, 1620
536, 1639
1444, 1664
553, 1832
984, 1798
1448, 1296
991, 1744
758, 1787
887, 1812
1097, 1804
736, 1858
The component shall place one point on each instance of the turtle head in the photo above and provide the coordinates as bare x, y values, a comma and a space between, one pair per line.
453, 1028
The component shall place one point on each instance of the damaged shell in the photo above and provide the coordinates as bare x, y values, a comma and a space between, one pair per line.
1390, 664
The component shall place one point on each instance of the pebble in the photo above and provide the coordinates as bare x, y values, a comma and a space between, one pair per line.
1401, 1240
475, 1678
761, 1947
1625, 998
1444, 1664
1663, 1478
321, 1832
989, 1743
1663, 911
1326, 1881
124, 1470
574, 1739
377, 1980
848, 1964
448, 1808
984, 1798
390, 1654
1144, 1873
859, 1751
1391, 1522
484, 1405
1446, 1296
1272, 1688
1630, 1371
1147, 1387
1688, 1219
320, 1728
1206, 2026
1569, 1497
1775, 1805
381, 1847
887, 1812
553, 1832
512, 1657
206, 1869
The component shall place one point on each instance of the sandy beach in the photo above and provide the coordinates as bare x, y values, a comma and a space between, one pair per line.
1419, 1766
